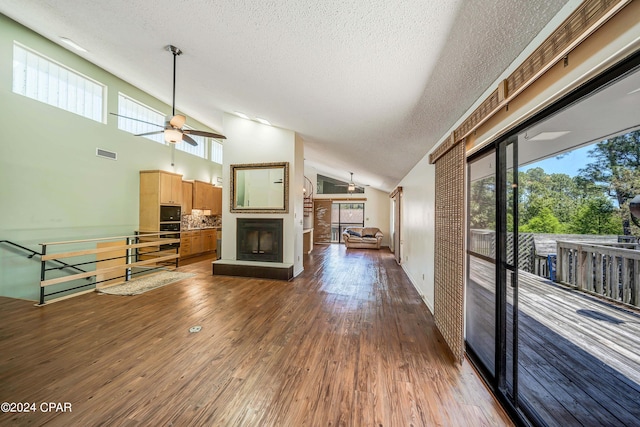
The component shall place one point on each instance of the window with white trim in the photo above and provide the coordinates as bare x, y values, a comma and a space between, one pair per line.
140, 113
198, 150
216, 152
44, 80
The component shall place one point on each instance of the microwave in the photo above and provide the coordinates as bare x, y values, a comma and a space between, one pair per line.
170, 213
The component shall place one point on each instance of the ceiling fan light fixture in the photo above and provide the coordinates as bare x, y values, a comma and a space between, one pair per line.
178, 121
173, 136
351, 188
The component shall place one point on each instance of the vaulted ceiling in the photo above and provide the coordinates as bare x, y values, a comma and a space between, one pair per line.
370, 85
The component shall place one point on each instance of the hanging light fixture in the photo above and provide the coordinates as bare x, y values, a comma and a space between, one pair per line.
352, 186
173, 136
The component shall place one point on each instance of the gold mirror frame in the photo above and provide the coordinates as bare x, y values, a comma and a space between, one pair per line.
237, 207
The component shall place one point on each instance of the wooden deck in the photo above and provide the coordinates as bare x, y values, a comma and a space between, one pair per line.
347, 343
579, 355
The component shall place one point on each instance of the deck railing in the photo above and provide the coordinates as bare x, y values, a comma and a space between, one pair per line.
611, 270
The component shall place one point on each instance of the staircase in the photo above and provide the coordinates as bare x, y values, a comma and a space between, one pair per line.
308, 197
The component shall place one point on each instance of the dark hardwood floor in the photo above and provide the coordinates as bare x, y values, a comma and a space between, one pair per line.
348, 342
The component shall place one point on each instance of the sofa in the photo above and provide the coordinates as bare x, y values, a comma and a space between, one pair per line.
362, 237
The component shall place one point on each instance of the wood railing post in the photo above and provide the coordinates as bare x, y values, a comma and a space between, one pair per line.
559, 263
43, 271
635, 295
581, 261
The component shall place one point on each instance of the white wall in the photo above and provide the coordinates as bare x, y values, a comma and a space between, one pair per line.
252, 142
418, 228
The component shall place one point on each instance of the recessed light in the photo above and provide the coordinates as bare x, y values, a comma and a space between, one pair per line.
547, 136
263, 121
73, 44
243, 115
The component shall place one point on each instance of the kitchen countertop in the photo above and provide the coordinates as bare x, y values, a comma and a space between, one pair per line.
201, 228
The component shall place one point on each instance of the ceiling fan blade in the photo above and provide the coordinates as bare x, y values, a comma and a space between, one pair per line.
155, 132
137, 120
189, 140
203, 133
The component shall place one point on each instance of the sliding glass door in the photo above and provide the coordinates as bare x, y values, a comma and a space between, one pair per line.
345, 215
553, 261
492, 259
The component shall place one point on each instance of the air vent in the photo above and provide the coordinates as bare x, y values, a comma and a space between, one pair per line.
106, 154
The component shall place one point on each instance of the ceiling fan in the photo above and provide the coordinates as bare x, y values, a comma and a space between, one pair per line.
351, 186
173, 126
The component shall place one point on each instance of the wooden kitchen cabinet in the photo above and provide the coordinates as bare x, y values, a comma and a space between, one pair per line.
157, 188
186, 240
170, 188
217, 201
207, 197
202, 195
208, 240
196, 243
187, 197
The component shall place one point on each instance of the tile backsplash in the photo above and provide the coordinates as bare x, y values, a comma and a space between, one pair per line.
198, 219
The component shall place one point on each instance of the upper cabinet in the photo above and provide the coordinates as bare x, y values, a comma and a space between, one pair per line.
187, 197
170, 188
217, 201
207, 197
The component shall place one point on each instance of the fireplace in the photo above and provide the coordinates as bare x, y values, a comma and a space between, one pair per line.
259, 239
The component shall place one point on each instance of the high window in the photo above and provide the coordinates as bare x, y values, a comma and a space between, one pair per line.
326, 185
44, 80
216, 152
198, 150
146, 118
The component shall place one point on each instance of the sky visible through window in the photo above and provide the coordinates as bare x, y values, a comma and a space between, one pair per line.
568, 163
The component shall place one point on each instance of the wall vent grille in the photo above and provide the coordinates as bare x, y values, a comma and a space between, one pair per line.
106, 154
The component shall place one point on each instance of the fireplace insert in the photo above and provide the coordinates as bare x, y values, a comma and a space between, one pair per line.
259, 239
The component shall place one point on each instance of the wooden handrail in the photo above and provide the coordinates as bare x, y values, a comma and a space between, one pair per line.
107, 270
102, 239
52, 257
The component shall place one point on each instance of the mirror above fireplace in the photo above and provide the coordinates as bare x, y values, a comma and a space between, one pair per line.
260, 188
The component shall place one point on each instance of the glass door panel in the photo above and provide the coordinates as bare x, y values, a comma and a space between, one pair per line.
481, 254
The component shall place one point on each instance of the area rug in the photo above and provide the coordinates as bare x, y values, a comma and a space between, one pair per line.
146, 283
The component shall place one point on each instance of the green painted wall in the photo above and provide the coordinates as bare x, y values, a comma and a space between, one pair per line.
52, 185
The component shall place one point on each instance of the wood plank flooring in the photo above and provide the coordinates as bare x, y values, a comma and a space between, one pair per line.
348, 342
579, 356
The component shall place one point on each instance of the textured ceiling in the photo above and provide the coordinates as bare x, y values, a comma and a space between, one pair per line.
370, 85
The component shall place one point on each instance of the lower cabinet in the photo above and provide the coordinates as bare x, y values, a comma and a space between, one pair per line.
197, 242
208, 240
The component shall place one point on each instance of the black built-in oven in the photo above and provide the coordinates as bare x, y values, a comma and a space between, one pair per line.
170, 213
165, 229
